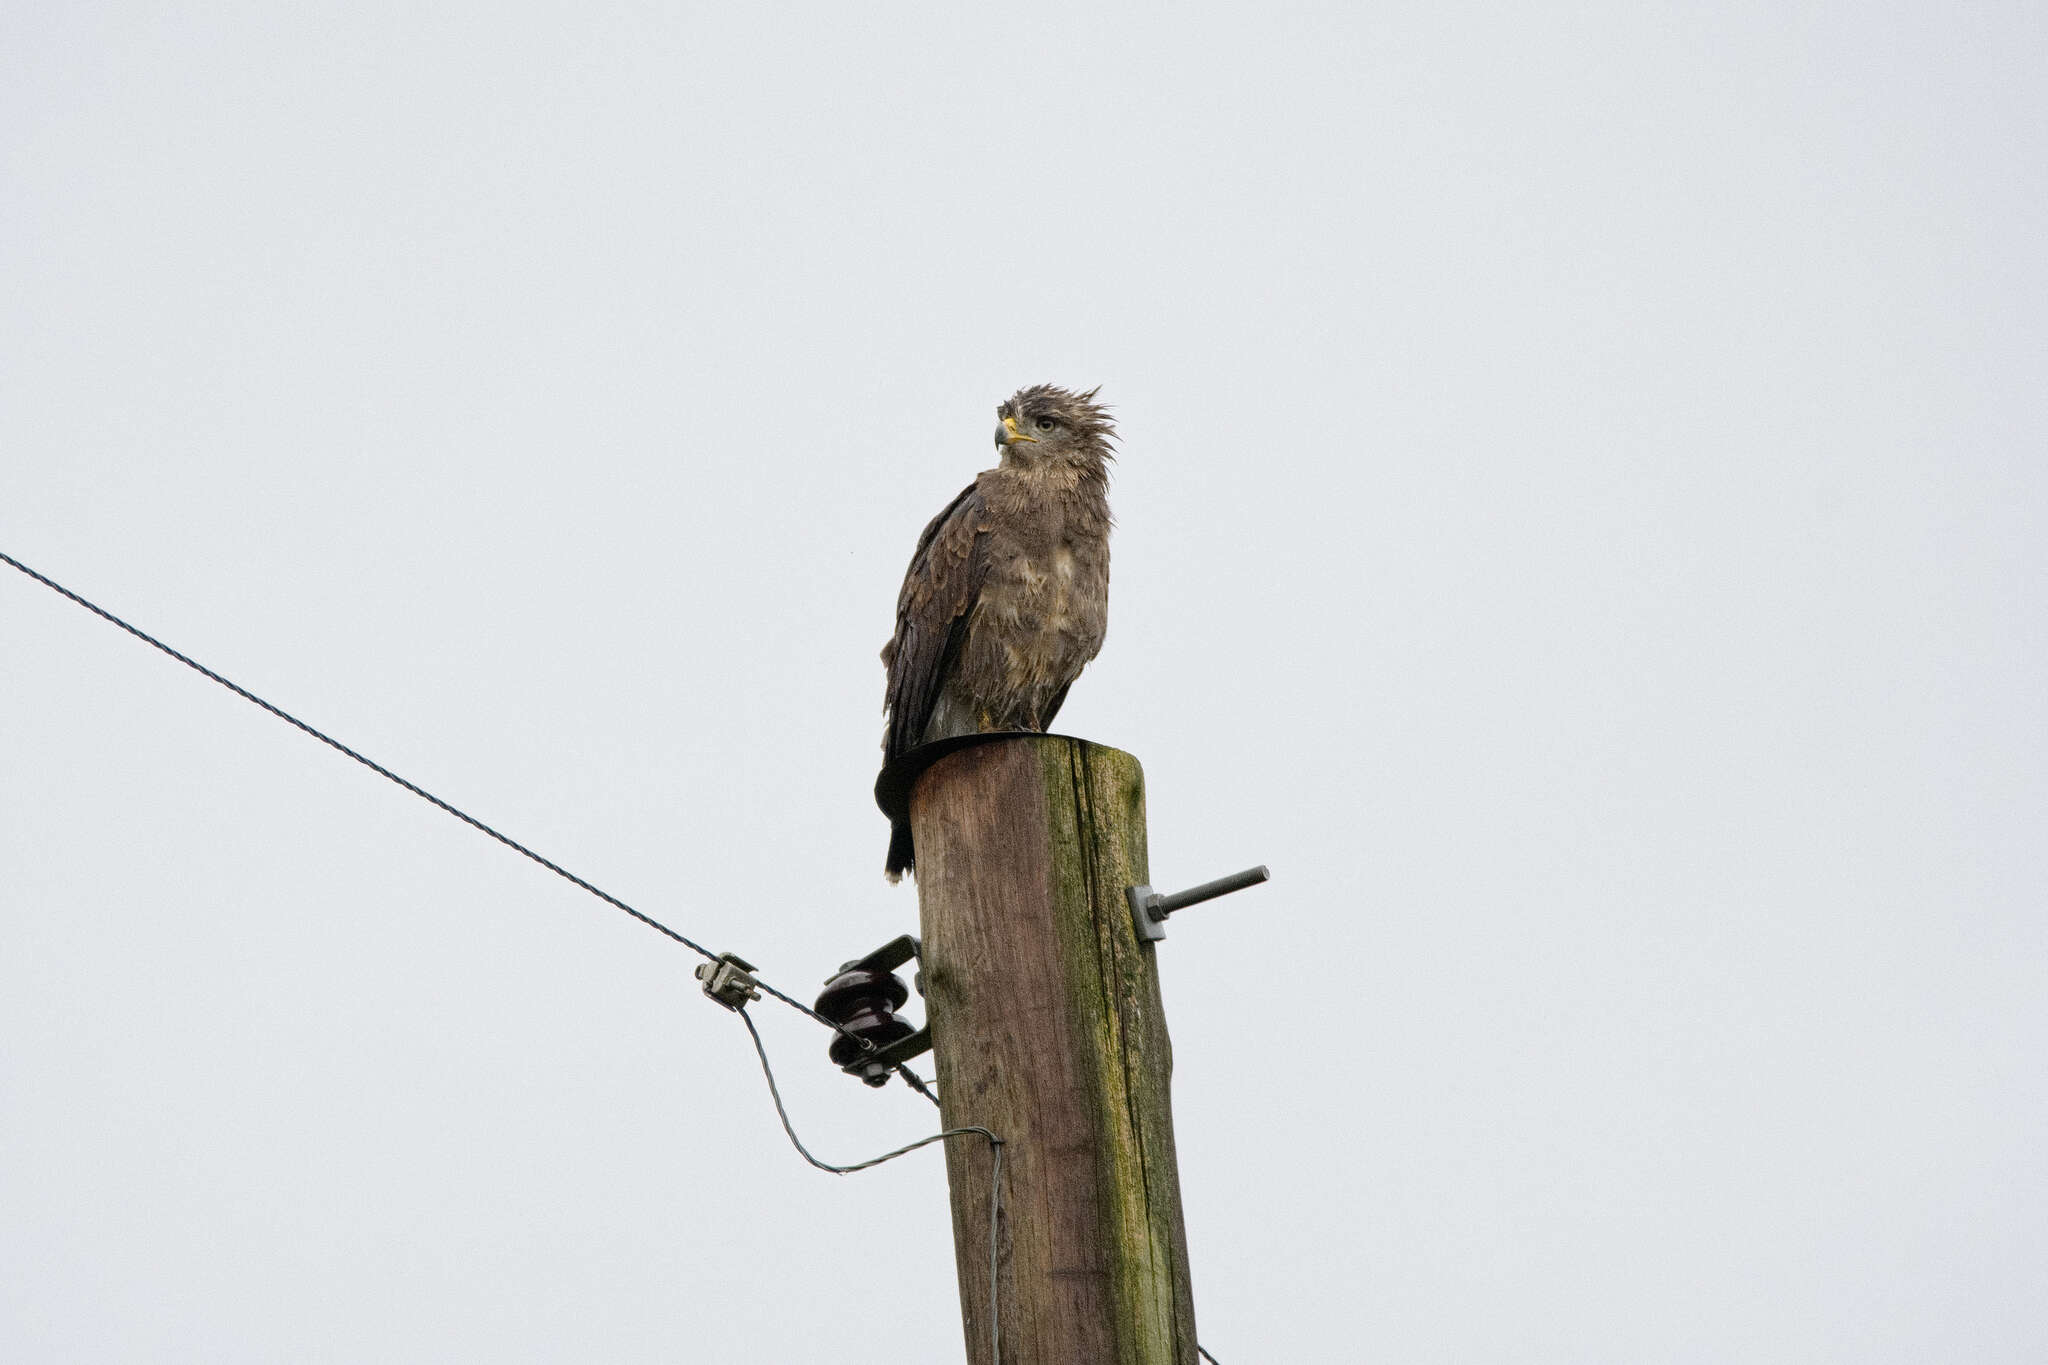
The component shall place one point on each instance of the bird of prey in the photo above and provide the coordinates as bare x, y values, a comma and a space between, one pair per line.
1007, 595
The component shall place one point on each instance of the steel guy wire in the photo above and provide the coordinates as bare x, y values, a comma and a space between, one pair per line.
910, 1078
995, 1179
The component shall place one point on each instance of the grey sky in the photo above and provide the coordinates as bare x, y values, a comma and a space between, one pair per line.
1581, 522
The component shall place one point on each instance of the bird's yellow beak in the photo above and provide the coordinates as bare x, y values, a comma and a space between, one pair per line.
1009, 433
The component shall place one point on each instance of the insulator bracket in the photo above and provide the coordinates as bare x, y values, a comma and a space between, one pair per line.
862, 998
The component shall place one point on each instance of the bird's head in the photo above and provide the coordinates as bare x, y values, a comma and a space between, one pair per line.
1045, 426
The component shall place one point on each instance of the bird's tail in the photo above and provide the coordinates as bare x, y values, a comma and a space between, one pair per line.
902, 858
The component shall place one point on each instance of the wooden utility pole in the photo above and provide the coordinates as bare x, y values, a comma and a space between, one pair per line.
1048, 1031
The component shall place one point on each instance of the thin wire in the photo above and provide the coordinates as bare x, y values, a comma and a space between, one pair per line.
1205, 1355
246, 695
995, 1186
910, 1078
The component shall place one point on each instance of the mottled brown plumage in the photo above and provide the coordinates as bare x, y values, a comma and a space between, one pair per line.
1007, 595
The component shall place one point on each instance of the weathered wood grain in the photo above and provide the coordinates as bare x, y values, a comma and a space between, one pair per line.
1048, 1030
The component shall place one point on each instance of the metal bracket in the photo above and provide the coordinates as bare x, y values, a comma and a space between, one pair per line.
729, 980
1149, 908
876, 1067
888, 957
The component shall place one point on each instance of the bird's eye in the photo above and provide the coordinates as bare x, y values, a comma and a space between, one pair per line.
1044, 424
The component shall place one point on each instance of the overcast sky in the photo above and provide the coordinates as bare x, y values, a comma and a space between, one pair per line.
1581, 523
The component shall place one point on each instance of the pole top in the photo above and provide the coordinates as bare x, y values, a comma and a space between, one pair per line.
893, 787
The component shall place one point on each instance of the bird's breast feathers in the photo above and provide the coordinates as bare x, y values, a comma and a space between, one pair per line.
1044, 613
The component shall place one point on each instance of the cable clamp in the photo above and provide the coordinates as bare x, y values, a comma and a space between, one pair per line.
729, 980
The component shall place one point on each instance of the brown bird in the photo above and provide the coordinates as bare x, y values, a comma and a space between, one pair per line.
1007, 595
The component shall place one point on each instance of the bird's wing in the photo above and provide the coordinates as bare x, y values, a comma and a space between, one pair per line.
939, 592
